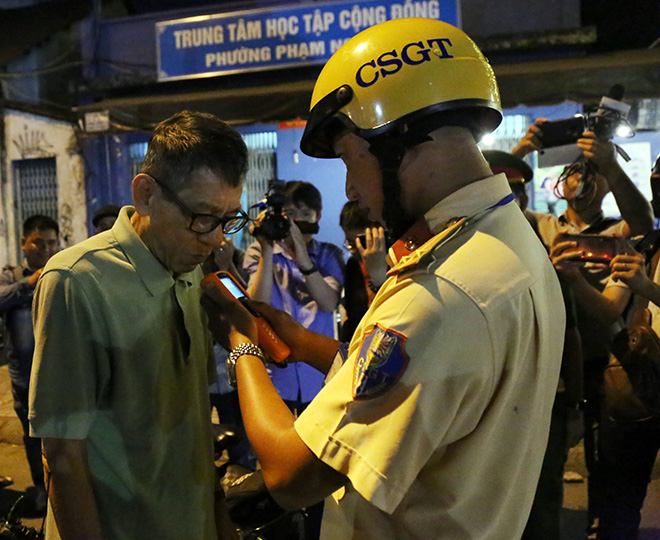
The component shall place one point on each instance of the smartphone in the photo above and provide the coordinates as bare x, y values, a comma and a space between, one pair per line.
363, 240
562, 132
594, 247
274, 348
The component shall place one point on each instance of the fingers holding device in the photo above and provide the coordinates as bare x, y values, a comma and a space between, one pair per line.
274, 348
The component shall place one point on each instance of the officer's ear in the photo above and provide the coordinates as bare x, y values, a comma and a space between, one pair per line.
144, 190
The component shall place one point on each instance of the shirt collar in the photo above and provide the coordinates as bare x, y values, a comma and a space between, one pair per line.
467, 202
152, 273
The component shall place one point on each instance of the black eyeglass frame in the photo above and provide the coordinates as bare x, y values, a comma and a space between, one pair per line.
228, 227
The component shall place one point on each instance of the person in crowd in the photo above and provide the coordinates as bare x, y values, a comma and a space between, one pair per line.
584, 184
105, 217
17, 283
366, 268
517, 172
119, 389
627, 450
566, 425
433, 423
301, 276
224, 397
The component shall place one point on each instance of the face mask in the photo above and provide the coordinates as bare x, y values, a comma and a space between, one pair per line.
307, 227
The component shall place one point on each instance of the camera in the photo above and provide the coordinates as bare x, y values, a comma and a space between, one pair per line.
611, 113
275, 225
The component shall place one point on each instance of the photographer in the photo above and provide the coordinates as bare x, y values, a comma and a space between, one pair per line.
626, 450
584, 184
300, 276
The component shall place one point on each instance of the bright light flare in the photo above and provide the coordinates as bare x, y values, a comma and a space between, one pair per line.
488, 140
623, 131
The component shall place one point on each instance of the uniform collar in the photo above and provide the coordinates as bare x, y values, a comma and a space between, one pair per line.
447, 214
152, 273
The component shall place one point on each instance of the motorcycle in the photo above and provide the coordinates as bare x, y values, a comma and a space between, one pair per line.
251, 507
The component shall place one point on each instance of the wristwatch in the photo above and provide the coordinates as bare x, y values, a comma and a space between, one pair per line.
238, 351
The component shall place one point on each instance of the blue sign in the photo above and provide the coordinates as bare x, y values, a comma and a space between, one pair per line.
221, 44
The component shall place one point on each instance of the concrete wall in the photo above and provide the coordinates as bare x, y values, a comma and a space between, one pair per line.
28, 136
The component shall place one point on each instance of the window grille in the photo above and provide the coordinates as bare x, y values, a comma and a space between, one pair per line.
136, 153
262, 163
35, 192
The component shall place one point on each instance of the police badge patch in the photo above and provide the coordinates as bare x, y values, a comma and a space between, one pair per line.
381, 362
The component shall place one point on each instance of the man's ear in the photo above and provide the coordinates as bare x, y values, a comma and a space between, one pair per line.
318, 216
143, 190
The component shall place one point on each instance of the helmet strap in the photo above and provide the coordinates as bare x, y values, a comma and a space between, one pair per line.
389, 150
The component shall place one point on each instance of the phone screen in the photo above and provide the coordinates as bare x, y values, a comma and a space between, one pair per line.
233, 288
595, 248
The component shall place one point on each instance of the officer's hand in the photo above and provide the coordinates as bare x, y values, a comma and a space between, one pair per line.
229, 322
300, 340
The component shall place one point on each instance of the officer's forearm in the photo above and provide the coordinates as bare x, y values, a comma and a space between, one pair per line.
293, 474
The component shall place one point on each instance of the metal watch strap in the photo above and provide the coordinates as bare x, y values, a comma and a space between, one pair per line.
238, 351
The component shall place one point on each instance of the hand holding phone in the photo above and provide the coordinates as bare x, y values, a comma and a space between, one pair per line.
273, 347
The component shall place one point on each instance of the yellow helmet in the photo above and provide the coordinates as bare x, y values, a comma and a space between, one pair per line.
396, 74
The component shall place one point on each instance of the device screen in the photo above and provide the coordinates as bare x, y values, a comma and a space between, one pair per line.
595, 248
233, 288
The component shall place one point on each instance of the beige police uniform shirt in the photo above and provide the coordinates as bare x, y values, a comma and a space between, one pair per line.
440, 415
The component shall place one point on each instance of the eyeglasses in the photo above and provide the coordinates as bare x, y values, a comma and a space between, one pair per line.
204, 223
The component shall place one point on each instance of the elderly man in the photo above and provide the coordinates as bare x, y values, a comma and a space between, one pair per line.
123, 358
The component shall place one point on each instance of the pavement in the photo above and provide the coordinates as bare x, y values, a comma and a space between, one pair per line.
13, 463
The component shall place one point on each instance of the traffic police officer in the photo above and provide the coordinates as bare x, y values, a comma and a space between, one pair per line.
433, 424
